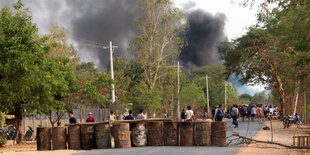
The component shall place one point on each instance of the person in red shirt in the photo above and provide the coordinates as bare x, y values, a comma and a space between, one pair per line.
242, 112
90, 118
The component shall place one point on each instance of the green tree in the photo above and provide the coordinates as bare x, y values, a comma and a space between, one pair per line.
22, 60
192, 95
158, 42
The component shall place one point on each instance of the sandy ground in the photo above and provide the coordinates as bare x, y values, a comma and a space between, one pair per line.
284, 136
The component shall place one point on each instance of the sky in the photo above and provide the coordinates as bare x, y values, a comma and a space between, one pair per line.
237, 20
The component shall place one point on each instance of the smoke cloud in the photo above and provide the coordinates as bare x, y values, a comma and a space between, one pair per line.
89, 23
204, 35
93, 22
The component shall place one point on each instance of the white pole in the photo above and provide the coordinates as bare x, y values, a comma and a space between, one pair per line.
112, 72
225, 97
207, 93
178, 91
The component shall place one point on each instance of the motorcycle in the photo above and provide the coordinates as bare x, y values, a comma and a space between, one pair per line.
287, 120
29, 133
9, 132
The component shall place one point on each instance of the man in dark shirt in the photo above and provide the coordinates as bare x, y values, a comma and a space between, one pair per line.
72, 119
129, 117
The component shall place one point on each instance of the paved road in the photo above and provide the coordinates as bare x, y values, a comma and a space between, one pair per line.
177, 150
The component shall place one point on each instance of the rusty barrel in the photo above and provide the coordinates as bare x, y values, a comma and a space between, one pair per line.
138, 133
44, 138
87, 136
218, 133
102, 132
171, 133
154, 133
59, 138
187, 133
203, 133
121, 135
74, 141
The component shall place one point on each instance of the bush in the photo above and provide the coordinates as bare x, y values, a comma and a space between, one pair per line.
2, 140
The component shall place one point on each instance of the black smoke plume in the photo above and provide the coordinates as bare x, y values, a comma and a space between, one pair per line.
204, 35
89, 22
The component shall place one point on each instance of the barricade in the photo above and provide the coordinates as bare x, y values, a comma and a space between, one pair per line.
154, 133
218, 133
59, 138
44, 138
121, 135
74, 138
103, 135
87, 136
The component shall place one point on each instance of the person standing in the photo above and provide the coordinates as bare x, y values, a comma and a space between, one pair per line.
90, 118
260, 114
234, 114
219, 113
213, 112
241, 112
72, 119
112, 116
189, 114
130, 116
183, 115
253, 112
141, 115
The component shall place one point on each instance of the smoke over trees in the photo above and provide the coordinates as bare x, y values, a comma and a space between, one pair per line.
204, 35
102, 21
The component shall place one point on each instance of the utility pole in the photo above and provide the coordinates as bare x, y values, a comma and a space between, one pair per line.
225, 96
207, 93
305, 105
179, 91
112, 71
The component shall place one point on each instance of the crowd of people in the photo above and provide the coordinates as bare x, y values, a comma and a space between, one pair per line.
251, 112
112, 117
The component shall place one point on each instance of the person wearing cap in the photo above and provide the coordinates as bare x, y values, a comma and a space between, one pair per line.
90, 117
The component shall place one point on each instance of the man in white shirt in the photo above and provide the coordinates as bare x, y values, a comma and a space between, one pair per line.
189, 114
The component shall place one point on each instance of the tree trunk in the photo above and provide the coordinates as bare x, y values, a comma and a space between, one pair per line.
295, 100
280, 89
19, 118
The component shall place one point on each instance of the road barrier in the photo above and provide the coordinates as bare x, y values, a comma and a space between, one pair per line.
103, 135
59, 138
138, 133
44, 138
87, 136
171, 133
218, 133
121, 135
74, 138
203, 133
127, 133
154, 133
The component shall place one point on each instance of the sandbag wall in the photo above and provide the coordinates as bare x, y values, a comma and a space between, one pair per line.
132, 133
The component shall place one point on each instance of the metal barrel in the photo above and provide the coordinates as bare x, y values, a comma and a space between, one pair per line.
103, 135
59, 138
187, 133
74, 138
154, 133
138, 133
121, 135
203, 133
44, 138
171, 133
87, 136
218, 133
